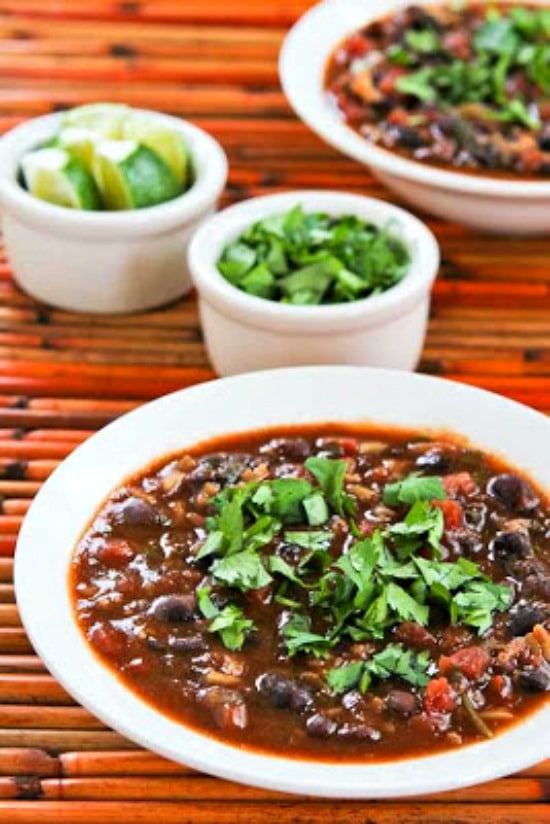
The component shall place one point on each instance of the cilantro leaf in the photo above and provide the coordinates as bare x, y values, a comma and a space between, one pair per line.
230, 623
414, 488
331, 473
232, 626
316, 509
280, 566
243, 570
316, 540
298, 637
393, 660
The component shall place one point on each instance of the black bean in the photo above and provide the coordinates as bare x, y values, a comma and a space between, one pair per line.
220, 468
512, 492
360, 731
544, 142
433, 460
284, 693
535, 679
290, 449
174, 609
409, 138
134, 512
508, 545
401, 702
320, 726
524, 617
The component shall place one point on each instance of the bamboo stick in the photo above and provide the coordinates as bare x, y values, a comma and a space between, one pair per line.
6, 570
29, 716
205, 789
14, 640
11, 664
156, 789
120, 763
28, 787
9, 616
7, 594
138, 69
32, 689
318, 812
27, 761
55, 741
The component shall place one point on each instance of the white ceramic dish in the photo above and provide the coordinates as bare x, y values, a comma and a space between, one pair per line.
104, 261
245, 333
66, 502
495, 205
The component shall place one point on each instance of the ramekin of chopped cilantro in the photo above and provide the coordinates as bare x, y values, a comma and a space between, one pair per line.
313, 277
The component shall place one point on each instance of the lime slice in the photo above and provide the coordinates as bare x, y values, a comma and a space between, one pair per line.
106, 119
55, 176
80, 143
167, 143
130, 176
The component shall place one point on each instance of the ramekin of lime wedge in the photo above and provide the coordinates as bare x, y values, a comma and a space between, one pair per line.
99, 203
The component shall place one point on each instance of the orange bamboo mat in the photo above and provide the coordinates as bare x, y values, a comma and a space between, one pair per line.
63, 376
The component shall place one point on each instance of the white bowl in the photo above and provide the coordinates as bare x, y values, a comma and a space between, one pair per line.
104, 261
67, 501
245, 333
491, 204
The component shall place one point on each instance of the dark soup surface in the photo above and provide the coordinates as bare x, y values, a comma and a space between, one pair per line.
466, 86
326, 592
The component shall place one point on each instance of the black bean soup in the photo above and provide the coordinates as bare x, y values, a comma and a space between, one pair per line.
464, 86
326, 592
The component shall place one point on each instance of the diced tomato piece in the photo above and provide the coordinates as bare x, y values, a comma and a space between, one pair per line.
349, 445
532, 159
357, 45
460, 483
388, 82
452, 513
109, 640
470, 661
439, 696
458, 43
115, 553
398, 117
500, 687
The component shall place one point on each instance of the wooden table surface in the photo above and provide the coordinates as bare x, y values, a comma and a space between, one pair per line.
62, 376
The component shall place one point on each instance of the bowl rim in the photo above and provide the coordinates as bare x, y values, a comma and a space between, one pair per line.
227, 225
46, 543
208, 157
316, 111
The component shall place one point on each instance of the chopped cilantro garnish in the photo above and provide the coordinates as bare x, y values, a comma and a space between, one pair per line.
414, 488
330, 474
314, 258
375, 583
392, 660
230, 622
503, 45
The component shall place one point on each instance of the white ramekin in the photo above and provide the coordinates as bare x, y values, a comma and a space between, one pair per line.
104, 261
246, 333
503, 206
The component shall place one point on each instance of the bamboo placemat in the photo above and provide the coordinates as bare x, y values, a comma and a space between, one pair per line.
63, 376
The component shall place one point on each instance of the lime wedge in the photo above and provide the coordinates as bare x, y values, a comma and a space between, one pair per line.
80, 143
131, 176
104, 118
167, 143
55, 176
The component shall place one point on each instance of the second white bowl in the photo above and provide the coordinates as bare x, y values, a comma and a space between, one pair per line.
246, 333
